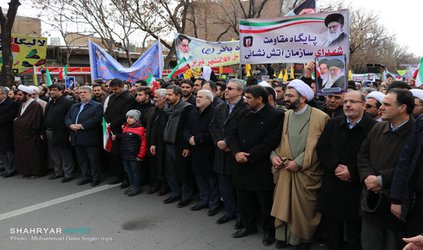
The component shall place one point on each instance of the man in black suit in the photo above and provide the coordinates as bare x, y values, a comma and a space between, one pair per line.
226, 118
176, 148
120, 102
8, 112
84, 120
251, 142
57, 135
339, 197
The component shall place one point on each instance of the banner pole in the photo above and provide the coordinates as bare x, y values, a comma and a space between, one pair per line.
91, 59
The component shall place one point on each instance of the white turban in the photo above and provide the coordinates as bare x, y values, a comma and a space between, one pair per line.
26, 89
35, 88
302, 88
264, 84
418, 93
379, 96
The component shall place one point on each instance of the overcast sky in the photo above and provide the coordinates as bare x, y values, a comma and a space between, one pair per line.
401, 18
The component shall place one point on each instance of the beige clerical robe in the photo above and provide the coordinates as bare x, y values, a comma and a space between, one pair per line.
295, 196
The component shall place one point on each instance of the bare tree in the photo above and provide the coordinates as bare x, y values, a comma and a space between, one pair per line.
235, 10
157, 18
125, 29
61, 18
97, 14
6, 23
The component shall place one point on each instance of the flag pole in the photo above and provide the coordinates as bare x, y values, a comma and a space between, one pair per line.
90, 52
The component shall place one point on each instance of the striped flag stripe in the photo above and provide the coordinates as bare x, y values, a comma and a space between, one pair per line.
257, 31
258, 23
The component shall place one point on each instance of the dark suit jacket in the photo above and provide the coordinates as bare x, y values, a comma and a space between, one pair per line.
54, 118
408, 172
339, 144
220, 127
8, 112
202, 154
256, 134
90, 118
116, 110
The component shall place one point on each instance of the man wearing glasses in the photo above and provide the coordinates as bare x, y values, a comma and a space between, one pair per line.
339, 197
373, 102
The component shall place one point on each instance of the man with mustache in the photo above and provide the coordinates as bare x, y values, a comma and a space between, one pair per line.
296, 169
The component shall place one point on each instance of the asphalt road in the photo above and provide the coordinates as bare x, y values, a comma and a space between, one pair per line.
46, 214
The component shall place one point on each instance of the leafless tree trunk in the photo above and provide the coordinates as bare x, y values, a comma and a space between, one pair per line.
6, 23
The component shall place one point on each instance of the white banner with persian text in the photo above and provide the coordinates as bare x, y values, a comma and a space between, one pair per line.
295, 39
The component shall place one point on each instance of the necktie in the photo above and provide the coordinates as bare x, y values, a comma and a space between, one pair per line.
80, 110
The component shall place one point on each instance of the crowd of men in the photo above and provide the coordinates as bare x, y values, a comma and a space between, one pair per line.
344, 169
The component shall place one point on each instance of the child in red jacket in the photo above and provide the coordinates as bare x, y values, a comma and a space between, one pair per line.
133, 150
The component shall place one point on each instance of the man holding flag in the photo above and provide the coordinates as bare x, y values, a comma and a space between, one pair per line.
120, 102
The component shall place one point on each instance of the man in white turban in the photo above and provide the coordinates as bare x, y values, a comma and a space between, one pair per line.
36, 96
373, 102
27, 128
296, 169
418, 102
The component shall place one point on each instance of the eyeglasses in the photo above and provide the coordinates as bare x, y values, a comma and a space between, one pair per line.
230, 88
368, 106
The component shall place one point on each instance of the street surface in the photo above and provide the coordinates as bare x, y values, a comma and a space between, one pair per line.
46, 214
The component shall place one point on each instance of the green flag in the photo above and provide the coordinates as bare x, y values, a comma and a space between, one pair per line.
65, 71
150, 79
48, 78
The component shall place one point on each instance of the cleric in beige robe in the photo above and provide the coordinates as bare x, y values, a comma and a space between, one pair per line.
296, 169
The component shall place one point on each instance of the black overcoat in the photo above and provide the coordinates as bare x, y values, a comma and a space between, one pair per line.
220, 127
54, 118
8, 112
339, 144
202, 154
256, 134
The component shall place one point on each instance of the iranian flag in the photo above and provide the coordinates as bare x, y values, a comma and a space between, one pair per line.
179, 69
63, 72
419, 75
107, 140
152, 83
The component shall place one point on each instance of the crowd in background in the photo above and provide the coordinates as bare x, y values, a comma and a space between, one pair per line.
342, 169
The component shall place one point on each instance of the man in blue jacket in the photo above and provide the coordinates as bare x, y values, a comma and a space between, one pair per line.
84, 120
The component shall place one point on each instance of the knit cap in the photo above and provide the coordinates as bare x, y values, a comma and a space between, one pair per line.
136, 114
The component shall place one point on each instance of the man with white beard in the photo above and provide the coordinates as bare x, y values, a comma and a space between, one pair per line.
335, 23
336, 72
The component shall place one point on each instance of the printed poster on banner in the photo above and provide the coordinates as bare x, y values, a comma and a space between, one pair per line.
331, 75
27, 51
294, 39
70, 82
199, 53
